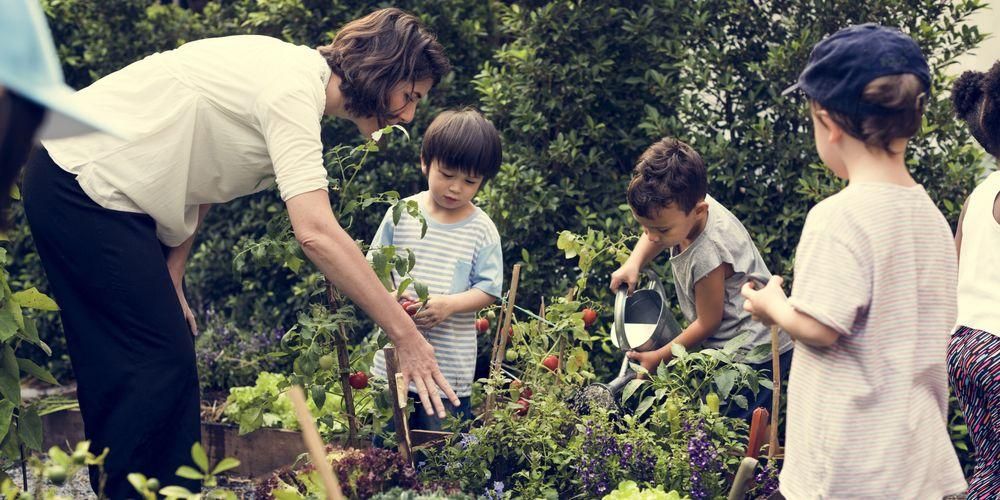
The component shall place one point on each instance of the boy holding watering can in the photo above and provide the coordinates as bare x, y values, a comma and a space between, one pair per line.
711, 256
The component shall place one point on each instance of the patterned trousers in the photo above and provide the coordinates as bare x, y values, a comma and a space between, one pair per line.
974, 373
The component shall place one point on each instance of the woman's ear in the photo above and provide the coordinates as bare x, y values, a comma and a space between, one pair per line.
424, 167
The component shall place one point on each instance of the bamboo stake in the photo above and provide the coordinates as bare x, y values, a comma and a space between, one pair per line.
500, 342
344, 363
772, 448
314, 444
398, 394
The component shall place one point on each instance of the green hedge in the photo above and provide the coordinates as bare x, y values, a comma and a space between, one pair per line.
578, 89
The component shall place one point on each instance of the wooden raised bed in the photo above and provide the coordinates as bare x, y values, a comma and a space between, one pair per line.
259, 452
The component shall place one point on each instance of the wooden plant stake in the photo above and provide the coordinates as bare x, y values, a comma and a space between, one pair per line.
772, 448
500, 342
344, 363
398, 395
314, 444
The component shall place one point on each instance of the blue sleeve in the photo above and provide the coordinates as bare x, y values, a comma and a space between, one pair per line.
487, 270
384, 235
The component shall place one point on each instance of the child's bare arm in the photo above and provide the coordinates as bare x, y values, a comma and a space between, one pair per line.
439, 307
709, 297
958, 228
770, 306
628, 274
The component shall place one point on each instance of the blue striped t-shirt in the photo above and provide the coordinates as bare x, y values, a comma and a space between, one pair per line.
450, 258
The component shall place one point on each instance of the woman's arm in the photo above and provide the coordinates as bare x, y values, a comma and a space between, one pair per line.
177, 261
336, 255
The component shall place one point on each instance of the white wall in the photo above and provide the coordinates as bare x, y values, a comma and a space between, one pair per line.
988, 53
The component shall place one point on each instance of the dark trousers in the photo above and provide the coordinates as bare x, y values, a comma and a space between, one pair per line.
130, 347
764, 396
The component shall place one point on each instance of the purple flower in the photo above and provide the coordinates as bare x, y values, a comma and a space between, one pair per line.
703, 458
468, 440
496, 492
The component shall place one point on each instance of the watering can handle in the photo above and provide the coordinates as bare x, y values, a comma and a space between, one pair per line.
620, 298
654, 282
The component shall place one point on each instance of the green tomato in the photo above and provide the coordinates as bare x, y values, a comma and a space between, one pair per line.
152, 484
56, 474
326, 361
511, 355
712, 401
673, 415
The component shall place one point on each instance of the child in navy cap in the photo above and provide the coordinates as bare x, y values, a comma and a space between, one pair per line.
873, 301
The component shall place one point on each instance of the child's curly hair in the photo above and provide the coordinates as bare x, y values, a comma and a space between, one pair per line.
976, 100
668, 172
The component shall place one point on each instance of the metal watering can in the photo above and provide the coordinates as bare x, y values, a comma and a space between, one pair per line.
651, 326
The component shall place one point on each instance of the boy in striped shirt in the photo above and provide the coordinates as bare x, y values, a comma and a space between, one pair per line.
873, 301
459, 258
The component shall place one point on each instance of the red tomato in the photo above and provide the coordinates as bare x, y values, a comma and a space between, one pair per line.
358, 380
589, 317
524, 405
406, 307
482, 325
551, 362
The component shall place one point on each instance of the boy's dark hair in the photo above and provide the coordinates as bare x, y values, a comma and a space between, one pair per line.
463, 139
373, 54
903, 96
976, 100
668, 172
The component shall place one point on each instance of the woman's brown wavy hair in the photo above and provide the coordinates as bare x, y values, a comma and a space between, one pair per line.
373, 54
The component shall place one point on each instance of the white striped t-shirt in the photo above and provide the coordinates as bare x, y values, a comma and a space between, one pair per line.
867, 415
450, 258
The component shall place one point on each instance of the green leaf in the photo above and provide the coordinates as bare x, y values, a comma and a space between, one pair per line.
199, 456
294, 263
724, 380
678, 350
10, 381
740, 401
631, 387
286, 495
138, 481
188, 472
28, 366
421, 290
175, 492
33, 299
734, 344
226, 464
29, 428
644, 406
758, 354
397, 212
8, 326
6, 413
403, 285
318, 393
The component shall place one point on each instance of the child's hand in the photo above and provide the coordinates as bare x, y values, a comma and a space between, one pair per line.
628, 274
762, 303
431, 313
649, 360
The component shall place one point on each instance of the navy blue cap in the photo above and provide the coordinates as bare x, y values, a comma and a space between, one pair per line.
841, 65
